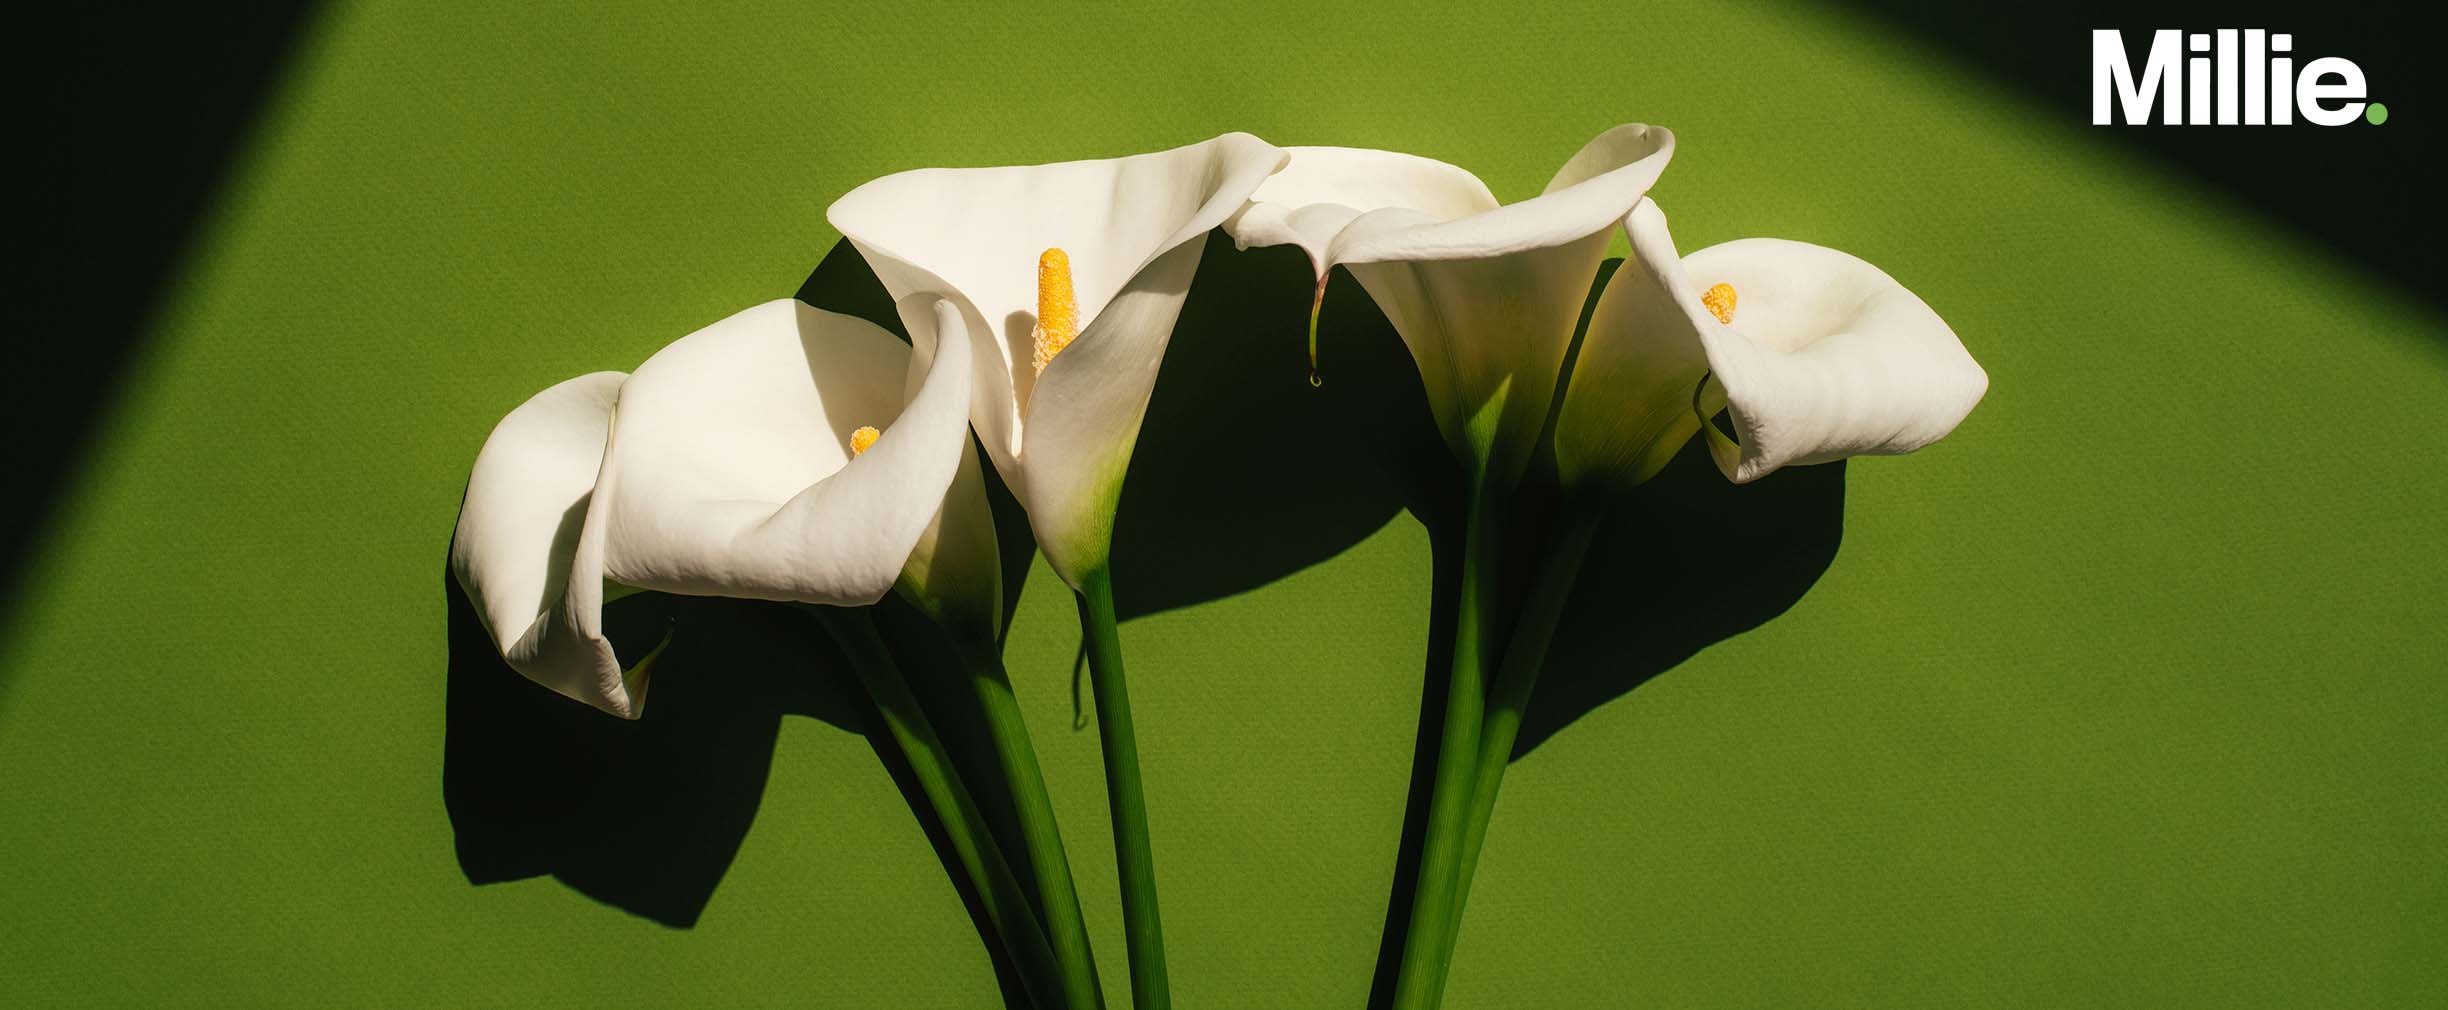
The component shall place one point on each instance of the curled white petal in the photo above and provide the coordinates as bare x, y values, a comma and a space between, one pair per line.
730, 471
1085, 416
516, 549
1824, 357
1132, 228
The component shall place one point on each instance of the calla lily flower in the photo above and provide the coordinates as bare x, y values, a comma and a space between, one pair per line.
1817, 356
1068, 278
772, 455
1485, 295
790, 454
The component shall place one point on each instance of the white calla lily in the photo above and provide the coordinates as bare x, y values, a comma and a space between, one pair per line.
1816, 354
1102, 250
1485, 295
770, 456
1068, 279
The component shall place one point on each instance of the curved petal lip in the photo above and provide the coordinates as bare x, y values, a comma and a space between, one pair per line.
860, 214
1319, 190
1582, 208
516, 550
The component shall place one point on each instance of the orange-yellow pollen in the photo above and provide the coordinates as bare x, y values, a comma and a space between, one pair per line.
1720, 301
863, 439
1057, 308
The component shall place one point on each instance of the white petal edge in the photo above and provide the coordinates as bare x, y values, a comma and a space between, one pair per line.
1596, 187
1321, 189
515, 551
1485, 296
972, 235
730, 474
1827, 356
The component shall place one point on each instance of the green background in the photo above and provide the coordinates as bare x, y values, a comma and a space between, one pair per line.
2127, 694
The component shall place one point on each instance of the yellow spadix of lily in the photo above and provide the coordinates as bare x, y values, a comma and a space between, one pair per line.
1057, 309
863, 439
1719, 300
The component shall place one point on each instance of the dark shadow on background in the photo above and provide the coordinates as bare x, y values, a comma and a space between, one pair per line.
2367, 193
149, 111
1683, 562
1244, 472
647, 816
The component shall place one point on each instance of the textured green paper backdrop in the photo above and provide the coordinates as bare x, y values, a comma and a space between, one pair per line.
2128, 694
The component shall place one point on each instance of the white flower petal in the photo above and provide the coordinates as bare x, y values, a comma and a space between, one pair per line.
515, 550
1084, 418
1628, 405
730, 471
955, 572
1593, 191
1825, 357
1321, 189
973, 235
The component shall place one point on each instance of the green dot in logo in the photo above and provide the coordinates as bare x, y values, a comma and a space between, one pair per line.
2375, 113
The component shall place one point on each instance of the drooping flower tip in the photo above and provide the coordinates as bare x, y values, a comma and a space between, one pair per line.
863, 439
1057, 309
1719, 299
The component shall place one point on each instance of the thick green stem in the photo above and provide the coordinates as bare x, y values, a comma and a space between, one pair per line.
1133, 856
1516, 676
1018, 756
1420, 978
930, 763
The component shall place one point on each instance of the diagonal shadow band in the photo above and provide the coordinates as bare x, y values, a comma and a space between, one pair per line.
142, 154
2362, 191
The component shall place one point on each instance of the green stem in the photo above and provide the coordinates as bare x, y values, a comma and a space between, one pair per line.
931, 764
1424, 958
1517, 675
1055, 893
1128, 801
